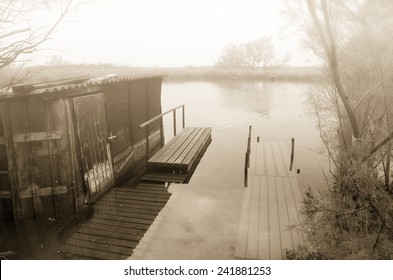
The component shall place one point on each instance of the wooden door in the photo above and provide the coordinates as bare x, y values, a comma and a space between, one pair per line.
94, 147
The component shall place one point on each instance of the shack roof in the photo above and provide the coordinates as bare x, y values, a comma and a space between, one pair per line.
72, 86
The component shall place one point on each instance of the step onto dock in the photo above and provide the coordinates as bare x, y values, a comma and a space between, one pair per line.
271, 201
120, 220
178, 159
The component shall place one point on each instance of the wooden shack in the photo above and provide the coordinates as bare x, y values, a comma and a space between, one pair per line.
65, 143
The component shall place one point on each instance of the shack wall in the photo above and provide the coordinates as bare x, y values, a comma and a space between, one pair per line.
5, 185
43, 156
41, 166
129, 104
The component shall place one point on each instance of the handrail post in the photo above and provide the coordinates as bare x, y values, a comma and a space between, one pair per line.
174, 122
159, 117
162, 140
183, 115
147, 143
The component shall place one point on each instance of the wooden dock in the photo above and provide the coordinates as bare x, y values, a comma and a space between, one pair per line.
177, 160
120, 219
270, 206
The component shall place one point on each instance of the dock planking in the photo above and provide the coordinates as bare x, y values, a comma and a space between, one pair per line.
270, 206
177, 160
120, 220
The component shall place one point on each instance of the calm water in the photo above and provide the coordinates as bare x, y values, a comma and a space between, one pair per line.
201, 223
276, 111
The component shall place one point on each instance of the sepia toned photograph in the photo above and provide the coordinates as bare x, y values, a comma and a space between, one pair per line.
196, 130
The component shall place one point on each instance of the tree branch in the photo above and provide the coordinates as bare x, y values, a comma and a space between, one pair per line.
377, 147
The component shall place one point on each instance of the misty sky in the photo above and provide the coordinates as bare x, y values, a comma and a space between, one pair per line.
168, 32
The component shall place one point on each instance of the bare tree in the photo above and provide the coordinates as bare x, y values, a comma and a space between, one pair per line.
253, 54
18, 37
322, 20
354, 217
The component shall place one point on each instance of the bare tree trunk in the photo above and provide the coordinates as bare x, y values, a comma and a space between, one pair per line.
329, 45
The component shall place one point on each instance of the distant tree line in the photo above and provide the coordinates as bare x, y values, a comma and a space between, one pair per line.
255, 54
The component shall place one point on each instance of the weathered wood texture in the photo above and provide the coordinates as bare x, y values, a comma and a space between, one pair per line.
5, 185
120, 219
95, 152
74, 140
269, 214
39, 152
128, 104
178, 158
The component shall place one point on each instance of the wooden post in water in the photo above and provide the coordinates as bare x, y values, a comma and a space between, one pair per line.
247, 158
174, 122
292, 153
184, 116
249, 146
246, 172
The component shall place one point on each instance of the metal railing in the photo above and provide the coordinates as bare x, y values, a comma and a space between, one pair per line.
159, 117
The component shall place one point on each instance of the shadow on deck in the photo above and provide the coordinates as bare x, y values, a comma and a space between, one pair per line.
121, 218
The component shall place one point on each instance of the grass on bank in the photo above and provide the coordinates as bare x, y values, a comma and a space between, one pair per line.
48, 73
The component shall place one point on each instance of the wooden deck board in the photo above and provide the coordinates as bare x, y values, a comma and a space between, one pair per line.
270, 224
108, 233
259, 154
114, 207
137, 193
176, 150
281, 170
126, 197
286, 159
106, 240
286, 238
269, 159
241, 243
91, 253
176, 161
90, 244
292, 210
263, 230
171, 144
253, 159
180, 155
120, 220
135, 234
252, 239
274, 222
199, 145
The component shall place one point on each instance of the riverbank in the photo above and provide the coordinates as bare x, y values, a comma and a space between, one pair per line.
47, 73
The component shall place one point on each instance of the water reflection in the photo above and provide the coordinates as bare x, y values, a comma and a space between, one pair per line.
247, 97
29, 239
206, 214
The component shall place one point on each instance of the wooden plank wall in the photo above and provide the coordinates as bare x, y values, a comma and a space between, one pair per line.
93, 143
128, 104
5, 186
43, 159
46, 170
118, 116
138, 106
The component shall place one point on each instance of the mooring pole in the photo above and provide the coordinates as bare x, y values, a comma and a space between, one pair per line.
247, 158
184, 116
174, 122
246, 172
292, 153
